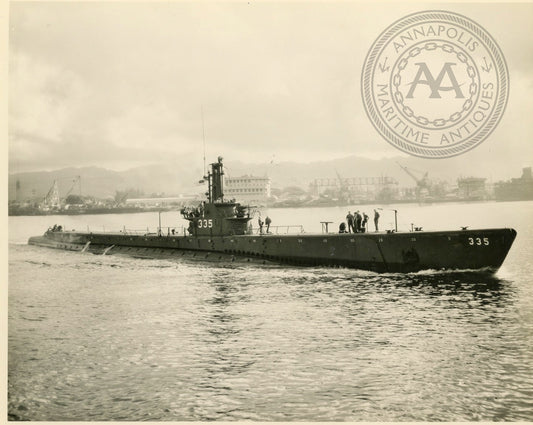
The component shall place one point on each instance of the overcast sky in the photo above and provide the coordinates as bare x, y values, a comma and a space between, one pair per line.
123, 84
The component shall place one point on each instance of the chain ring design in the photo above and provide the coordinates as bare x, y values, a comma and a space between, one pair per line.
494, 63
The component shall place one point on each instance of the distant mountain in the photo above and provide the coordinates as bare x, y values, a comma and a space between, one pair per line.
103, 183
175, 178
94, 181
301, 174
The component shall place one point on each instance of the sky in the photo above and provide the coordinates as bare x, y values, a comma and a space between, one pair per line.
119, 84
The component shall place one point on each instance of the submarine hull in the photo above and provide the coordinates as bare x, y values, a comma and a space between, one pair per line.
399, 252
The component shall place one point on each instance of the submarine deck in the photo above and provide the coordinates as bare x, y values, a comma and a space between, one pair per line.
377, 251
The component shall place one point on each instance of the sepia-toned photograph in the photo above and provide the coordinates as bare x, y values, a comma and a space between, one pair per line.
269, 211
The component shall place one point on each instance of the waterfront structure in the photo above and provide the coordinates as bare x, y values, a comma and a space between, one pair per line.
471, 189
517, 189
353, 189
248, 189
160, 202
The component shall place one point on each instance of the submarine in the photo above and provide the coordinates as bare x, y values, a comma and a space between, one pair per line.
219, 228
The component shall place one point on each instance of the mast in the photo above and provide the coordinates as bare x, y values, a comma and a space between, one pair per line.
203, 134
209, 194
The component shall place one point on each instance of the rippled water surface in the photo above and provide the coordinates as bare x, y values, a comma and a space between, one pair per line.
117, 338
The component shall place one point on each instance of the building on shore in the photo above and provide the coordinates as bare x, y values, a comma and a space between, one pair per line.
355, 189
472, 189
517, 189
248, 189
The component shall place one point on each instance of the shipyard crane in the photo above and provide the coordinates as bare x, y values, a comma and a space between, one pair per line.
77, 179
343, 189
341, 183
51, 200
423, 184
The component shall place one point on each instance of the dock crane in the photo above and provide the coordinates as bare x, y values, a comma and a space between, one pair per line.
51, 200
344, 193
423, 185
77, 179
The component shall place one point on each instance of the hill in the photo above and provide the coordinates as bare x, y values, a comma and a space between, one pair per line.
175, 178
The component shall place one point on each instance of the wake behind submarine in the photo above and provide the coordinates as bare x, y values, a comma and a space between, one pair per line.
220, 226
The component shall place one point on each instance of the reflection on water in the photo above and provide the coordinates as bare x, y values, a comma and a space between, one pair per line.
118, 338
477, 285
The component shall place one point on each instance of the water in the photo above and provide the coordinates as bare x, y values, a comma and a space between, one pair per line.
117, 338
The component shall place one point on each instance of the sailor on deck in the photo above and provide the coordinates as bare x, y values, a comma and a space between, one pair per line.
365, 221
376, 219
358, 219
349, 219
267, 222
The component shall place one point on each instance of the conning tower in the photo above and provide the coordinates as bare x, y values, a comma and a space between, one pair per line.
217, 217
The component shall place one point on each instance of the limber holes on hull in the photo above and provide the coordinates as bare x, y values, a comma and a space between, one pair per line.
230, 255
238, 256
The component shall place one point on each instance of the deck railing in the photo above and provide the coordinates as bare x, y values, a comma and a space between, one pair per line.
162, 231
181, 231
280, 230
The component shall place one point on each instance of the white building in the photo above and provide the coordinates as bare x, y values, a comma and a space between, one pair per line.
247, 189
